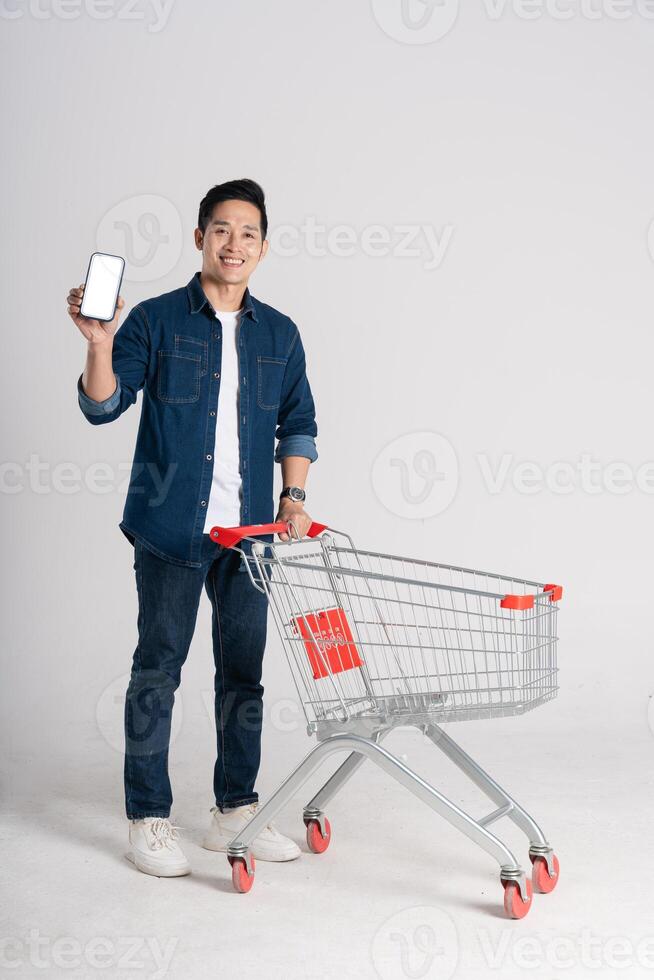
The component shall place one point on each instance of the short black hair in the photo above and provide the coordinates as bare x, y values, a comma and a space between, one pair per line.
234, 190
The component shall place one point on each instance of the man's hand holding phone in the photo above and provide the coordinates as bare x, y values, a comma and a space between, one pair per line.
95, 307
95, 331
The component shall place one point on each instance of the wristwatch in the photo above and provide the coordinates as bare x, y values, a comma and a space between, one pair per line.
296, 494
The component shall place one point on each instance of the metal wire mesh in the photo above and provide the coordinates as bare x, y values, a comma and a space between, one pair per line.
374, 635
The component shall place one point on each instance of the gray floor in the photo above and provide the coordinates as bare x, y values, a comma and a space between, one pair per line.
398, 894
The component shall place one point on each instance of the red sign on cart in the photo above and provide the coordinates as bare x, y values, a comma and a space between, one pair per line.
328, 640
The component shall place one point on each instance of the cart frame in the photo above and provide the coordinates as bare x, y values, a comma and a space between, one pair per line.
361, 734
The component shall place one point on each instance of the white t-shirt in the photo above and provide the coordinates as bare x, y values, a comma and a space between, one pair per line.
224, 506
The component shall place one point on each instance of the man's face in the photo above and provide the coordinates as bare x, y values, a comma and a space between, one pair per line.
231, 245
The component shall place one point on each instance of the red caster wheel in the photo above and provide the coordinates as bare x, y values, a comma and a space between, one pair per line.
514, 905
315, 840
242, 879
540, 876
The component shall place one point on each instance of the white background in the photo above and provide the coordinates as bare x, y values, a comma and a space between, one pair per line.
528, 144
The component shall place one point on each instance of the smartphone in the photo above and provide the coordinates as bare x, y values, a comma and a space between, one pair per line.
102, 286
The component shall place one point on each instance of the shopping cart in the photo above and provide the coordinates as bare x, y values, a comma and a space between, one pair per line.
376, 641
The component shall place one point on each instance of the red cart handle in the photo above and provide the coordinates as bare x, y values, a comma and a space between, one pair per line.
229, 537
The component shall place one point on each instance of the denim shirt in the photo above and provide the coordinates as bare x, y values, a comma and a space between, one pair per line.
170, 346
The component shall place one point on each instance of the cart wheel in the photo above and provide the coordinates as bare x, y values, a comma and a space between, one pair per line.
542, 880
514, 906
242, 879
315, 840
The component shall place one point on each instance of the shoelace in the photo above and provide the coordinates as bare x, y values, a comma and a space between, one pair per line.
252, 809
164, 833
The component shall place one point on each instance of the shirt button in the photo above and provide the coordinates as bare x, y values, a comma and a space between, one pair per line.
216, 374
208, 455
203, 503
216, 336
212, 414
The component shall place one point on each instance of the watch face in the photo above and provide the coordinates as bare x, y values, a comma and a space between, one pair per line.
296, 494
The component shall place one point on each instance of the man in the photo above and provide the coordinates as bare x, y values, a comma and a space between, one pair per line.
222, 375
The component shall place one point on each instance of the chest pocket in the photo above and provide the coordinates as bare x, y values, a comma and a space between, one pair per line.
193, 345
270, 372
178, 377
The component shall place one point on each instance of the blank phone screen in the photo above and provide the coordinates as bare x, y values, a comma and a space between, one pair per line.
102, 286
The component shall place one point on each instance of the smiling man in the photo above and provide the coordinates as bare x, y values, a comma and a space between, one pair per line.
223, 376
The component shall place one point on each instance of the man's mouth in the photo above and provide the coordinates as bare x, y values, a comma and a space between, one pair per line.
230, 262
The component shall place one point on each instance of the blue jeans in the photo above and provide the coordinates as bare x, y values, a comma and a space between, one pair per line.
168, 597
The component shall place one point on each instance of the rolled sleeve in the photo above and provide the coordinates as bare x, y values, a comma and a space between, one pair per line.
90, 407
297, 445
296, 422
130, 358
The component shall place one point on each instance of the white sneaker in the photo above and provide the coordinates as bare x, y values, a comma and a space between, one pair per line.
155, 850
270, 845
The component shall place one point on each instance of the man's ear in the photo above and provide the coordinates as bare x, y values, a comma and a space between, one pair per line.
264, 249
199, 238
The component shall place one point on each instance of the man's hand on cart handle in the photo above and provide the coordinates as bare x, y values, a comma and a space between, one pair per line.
231, 537
294, 515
